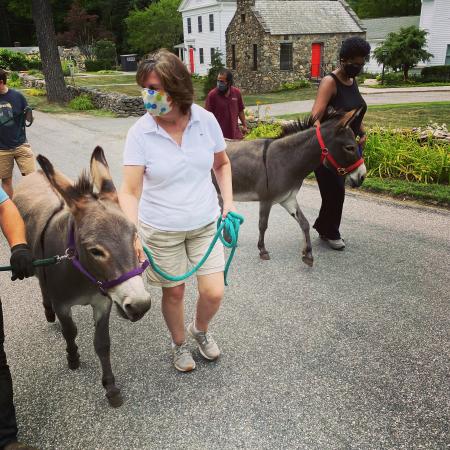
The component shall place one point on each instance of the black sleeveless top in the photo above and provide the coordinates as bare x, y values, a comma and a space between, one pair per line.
348, 98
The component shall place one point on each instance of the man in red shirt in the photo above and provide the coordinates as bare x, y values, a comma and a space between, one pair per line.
225, 102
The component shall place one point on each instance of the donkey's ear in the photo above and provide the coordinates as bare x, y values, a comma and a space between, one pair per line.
101, 176
60, 182
349, 117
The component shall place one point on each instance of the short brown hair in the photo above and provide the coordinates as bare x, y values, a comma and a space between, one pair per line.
3, 76
175, 77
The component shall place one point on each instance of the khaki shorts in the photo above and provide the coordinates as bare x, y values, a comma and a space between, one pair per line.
24, 158
174, 250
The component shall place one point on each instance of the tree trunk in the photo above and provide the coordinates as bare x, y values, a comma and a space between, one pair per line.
405, 72
51, 64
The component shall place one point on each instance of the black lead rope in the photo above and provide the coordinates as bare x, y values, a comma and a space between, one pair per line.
267, 142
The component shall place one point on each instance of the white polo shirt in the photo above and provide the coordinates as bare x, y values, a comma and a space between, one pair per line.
178, 193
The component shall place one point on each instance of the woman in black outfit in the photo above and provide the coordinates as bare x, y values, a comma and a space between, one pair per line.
339, 90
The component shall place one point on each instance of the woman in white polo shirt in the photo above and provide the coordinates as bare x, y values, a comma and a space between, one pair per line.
168, 192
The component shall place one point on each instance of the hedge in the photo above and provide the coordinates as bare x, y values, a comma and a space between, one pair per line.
96, 65
436, 73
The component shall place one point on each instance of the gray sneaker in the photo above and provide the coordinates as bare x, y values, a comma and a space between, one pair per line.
206, 344
182, 358
335, 244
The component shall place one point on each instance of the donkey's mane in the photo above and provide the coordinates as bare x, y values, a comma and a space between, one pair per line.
84, 185
305, 123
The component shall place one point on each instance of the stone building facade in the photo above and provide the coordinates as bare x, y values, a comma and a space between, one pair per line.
272, 42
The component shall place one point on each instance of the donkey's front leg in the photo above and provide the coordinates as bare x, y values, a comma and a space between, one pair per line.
293, 208
264, 211
69, 331
102, 345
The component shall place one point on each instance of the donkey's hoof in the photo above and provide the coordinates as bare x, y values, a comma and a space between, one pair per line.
264, 256
73, 363
50, 315
308, 260
115, 398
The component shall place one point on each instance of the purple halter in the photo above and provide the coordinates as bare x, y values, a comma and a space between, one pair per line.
102, 285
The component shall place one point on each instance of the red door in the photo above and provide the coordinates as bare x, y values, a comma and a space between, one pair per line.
316, 59
191, 60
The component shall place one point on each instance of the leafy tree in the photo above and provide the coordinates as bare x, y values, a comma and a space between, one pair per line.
83, 30
105, 50
159, 25
51, 65
403, 50
391, 8
211, 78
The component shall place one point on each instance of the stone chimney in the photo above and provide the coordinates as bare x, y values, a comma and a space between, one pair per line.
243, 5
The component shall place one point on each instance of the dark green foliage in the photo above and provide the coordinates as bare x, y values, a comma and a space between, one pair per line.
403, 50
436, 73
392, 8
105, 50
211, 78
13, 60
157, 26
95, 65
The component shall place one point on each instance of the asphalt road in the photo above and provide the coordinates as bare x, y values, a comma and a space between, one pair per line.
350, 354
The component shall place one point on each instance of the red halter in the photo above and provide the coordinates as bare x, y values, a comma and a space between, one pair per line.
327, 155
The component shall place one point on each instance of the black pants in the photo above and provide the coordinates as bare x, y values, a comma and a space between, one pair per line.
332, 191
8, 424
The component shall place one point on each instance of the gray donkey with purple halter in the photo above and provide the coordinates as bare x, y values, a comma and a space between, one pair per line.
90, 228
272, 171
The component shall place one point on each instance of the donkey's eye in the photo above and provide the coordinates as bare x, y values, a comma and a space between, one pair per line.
350, 148
97, 252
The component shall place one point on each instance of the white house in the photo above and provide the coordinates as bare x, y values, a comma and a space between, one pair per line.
435, 18
377, 31
204, 25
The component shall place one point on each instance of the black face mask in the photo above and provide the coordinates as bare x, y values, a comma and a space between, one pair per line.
222, 87
352, 70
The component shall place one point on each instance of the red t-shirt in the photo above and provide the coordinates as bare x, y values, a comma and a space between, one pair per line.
226, 108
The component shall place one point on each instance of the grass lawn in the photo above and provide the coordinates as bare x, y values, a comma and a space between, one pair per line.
435, 194
407, 85
126, 84
401, 115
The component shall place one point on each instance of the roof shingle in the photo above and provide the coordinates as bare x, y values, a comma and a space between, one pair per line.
305, 17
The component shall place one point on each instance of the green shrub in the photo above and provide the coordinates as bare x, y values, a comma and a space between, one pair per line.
13, 60
34, 63
94, 65
34, 92
390, 154
294, 85
36, 73
107, 72
436, 73
105, 50
14, 80
264, 130
81, 103
66, 68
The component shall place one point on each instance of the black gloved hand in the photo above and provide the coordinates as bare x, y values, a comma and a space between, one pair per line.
21, 262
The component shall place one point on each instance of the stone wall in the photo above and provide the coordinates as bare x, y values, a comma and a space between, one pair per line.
120, 104
268, 76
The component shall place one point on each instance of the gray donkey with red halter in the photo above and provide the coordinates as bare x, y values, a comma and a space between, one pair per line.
99, 242
272, 171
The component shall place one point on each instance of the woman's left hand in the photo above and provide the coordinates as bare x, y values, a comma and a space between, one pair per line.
228, 207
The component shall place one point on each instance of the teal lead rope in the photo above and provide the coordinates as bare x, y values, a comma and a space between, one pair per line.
231, 225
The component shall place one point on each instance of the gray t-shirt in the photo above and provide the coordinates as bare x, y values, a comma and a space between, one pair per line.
12, 120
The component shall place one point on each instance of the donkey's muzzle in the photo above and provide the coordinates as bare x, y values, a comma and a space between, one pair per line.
134, 309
